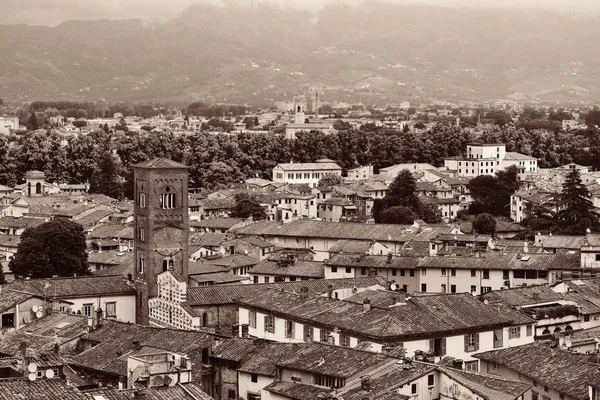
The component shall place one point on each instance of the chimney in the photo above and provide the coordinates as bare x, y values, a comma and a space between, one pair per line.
402, 297
365, 383
98, 318
329, 290
303, 292
535, 296
245, 330
366, 305
25, 363
122, 382
235, 330
389, 258
129, 278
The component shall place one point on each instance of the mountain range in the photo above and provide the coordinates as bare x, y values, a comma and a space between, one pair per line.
374, 52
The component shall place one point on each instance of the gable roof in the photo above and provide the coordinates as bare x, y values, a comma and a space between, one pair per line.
300, 268
418, 317
160, 162
309, 166
565, 371
116, 340
342, 230
213, 295
524, 296
489, 387
81, 286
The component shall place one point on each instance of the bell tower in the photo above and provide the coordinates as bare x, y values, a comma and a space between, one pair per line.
161, 226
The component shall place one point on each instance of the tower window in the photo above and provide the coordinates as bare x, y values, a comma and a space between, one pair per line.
141, 265
142, 234
167, 199
142, 201
167, 264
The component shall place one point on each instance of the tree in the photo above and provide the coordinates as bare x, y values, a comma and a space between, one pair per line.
576, 210
485, 224
247, 205
402, 190
489, 195
330, 180
32, 122
106, 178
52, 248
397, 215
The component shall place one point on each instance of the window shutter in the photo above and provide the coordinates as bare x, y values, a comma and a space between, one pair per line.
266, 319
476, 341
466, 343
443, 346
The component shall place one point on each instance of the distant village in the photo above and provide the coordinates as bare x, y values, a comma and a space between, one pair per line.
184, 301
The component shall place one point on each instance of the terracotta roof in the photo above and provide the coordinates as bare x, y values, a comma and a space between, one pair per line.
561, 242
300, 268
489, 387
213, 295
351, 246
232, 261
506, 261
160, 163
115, 231
216, 222
342, 230
10, 240
564, 371
309, 166
385, 380
418, 317
296, 390
368, 261
116, 340
110, 257
11, 298
201, 268
524, 296
81, 286
219, 278
45, 332
263, 357
20, 222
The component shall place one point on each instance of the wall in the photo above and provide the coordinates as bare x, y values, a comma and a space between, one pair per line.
424, 391
246, 385
126, 305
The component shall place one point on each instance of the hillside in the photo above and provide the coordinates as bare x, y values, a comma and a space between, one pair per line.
372, 52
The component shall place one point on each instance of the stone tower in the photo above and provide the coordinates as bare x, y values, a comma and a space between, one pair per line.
161, 226
35, 183
299, 109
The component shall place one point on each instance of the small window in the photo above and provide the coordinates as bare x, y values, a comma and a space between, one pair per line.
111, 309
348, 270
252, 319
473, 272
87, 309
412, 272
289, 329
413, 388
597, 257
486, 274
142, 200
254, 378
529, 330
333, 270
231, 394
443, 271
453, 272
452, 288
430, 380
141, 265
423, 287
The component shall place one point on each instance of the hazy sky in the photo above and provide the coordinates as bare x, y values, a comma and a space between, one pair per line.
52, 12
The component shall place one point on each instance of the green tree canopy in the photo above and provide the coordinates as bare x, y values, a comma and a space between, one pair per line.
398, 215
52, 248
576, 210
484, 224
247, 205
330, 180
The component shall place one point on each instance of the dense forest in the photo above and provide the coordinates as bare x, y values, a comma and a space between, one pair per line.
219, 160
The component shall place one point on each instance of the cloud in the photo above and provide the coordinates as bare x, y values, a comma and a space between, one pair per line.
52, 12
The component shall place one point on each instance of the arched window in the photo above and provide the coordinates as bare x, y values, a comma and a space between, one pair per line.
38, 188
167, 199
299, 109
204, 320
557, 330
29, 189
546, 331
167, 264
569, 328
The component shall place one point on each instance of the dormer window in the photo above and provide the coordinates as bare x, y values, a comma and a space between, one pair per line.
167, 199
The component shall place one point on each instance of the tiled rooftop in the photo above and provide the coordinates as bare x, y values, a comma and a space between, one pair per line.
213, 295
567, 372
81, 286
300, 268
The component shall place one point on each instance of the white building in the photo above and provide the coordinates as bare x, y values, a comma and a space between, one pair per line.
487, 159
8, 123
307, 173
